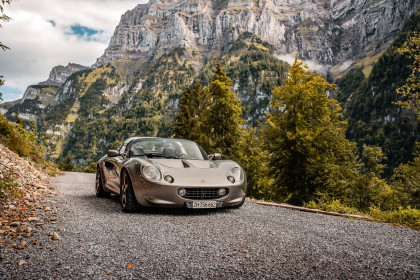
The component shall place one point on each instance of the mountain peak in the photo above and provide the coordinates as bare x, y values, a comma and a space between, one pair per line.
60, 73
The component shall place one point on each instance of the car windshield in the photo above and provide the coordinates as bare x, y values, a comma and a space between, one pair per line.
169, 148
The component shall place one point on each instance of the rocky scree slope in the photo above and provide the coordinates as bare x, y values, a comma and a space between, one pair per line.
23, 216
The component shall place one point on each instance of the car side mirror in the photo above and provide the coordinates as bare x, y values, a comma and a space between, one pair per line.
215, 156
112, 153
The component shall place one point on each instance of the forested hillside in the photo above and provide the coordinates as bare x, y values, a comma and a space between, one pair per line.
90, 119
373, 117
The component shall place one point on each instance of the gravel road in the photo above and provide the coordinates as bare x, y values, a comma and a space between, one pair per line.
98, 241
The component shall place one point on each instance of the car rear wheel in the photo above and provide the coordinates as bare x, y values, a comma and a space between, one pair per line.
127, 197
99, 187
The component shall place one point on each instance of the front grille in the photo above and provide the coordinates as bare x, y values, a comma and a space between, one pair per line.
203, 193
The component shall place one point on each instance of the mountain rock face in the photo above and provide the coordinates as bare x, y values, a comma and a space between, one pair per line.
60, 73
37, 97
327, 32
160, 48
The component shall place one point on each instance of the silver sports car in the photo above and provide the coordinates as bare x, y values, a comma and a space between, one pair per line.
149, 171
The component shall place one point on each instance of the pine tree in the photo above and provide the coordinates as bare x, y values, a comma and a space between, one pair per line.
17, 117
305, 137
370, 189
254, 160
406, 178
193, 111
224, 117
411, 90
67, 164
183, 120
211, 116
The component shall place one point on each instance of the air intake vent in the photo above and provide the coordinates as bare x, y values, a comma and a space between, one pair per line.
203, 193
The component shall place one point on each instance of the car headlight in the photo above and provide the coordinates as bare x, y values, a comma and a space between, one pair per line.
151, 173
236, 172
231, 179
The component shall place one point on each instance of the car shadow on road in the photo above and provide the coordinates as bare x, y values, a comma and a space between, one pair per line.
112, 204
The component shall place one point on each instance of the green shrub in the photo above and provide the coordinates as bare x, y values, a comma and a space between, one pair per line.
333, 206
67, 164
402, 216
14, 136
29, 144
91, 168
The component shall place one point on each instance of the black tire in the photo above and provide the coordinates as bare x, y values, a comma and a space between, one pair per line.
99, 187
127, 198
238, 205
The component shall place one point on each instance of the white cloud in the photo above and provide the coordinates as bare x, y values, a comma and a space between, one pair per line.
312, 64
345, 65
37, 45
289, 57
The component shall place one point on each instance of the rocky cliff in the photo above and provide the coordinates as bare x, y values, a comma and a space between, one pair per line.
60, 73
37, 97
328, 32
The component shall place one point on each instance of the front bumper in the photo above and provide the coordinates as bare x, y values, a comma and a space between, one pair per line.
164, 195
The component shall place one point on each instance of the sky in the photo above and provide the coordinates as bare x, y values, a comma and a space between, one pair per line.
47, 33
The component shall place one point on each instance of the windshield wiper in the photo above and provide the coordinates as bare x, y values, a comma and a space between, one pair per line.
152, 155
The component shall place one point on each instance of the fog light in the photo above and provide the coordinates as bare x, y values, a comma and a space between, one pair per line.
169, 179
222, 192
182, 192
231, 179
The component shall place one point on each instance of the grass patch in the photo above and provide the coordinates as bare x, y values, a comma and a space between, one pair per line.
58, 148
104, 72
334, 206
403, 216
72, 116
408, 217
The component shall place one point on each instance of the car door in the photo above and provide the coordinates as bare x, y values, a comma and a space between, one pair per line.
112, 170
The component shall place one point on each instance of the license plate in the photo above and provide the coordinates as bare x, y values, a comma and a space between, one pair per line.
204, 204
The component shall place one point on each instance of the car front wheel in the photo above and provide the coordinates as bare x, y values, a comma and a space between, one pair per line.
238, 205
99, 187
127, 198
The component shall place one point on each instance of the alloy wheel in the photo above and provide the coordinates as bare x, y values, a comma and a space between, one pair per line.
124, 191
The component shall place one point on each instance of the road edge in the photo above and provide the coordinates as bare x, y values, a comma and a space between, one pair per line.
305, 209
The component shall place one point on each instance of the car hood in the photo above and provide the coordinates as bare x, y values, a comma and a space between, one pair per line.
182, 163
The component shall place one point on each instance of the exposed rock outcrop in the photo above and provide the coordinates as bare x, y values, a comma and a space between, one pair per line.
60, 73
329, 32
37, 97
